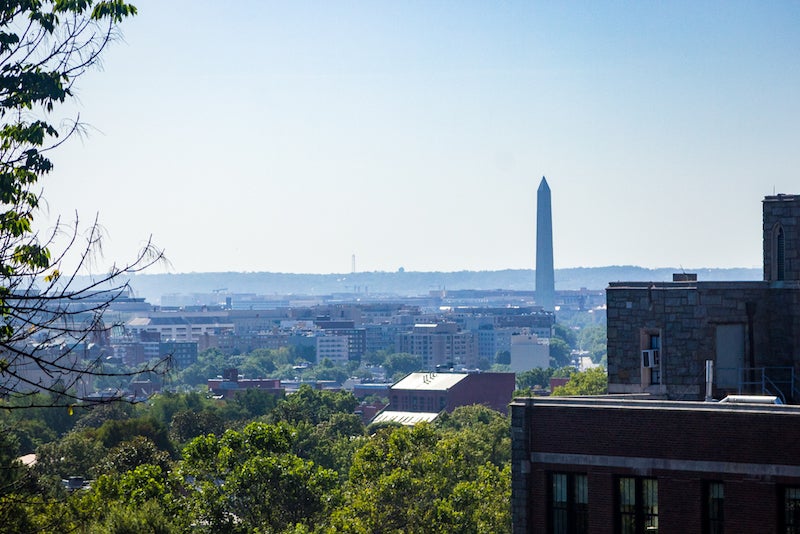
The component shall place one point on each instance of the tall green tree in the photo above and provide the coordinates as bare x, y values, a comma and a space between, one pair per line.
427, 480
45, 48
534, 377
249, 481
590, 382
566, 334
559, 352
400, 364
77, 453
594, 338
313, 406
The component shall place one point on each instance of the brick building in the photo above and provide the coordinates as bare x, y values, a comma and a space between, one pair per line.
661, 333
597, 465
231, 381
434, 392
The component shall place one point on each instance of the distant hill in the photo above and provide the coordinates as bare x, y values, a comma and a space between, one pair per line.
153, 286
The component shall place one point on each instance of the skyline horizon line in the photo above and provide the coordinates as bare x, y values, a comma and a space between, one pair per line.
676, 268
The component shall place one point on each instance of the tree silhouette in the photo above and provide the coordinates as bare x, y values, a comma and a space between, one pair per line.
50, 323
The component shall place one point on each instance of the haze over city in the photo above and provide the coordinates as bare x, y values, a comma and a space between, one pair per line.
286, 137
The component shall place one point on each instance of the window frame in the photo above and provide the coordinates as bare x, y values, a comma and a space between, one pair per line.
641, 510
789, 521
713, 512
574, 509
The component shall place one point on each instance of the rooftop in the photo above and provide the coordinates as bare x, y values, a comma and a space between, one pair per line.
405, 418
635, 402
430, 381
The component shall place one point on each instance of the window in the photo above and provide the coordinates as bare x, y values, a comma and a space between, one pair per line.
569, 498
791, 511
655, 372
650, 346
637, 511
713, 507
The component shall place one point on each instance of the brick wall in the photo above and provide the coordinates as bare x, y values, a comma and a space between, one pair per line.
492, 389
683, 445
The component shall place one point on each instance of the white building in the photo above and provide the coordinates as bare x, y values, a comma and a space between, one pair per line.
529, 351
332, 347
183, 326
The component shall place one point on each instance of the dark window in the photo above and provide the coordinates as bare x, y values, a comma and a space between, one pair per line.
791, 510
569, 498
714, 500
637, 511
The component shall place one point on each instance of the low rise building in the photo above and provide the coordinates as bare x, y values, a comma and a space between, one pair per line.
435, 392
231, 381
332, 347
605, 464
528, 351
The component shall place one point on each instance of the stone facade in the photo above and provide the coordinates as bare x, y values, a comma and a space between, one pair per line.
751, 330
781, 238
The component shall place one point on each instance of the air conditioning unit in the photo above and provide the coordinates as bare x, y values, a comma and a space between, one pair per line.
651, 358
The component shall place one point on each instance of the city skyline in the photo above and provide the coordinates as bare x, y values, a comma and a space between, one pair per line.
288, 138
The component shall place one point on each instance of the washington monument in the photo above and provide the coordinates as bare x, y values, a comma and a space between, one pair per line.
545, 276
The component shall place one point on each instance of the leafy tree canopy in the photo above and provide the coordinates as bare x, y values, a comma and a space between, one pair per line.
401, 363
313, 406
535, 377
566, 334
590, 382
559, 352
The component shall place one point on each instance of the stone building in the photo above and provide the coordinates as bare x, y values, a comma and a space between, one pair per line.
660, 334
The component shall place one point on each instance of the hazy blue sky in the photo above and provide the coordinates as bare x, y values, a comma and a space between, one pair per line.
287, 136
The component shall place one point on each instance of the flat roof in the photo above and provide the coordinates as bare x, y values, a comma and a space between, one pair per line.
405, 418
637, 403
695, 284
781, 197
430, 381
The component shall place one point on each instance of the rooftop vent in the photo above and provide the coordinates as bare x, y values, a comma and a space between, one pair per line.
752, 399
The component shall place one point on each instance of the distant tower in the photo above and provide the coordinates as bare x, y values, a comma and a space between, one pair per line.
545, 274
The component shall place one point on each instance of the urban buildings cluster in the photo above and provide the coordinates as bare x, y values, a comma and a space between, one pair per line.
458, 337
